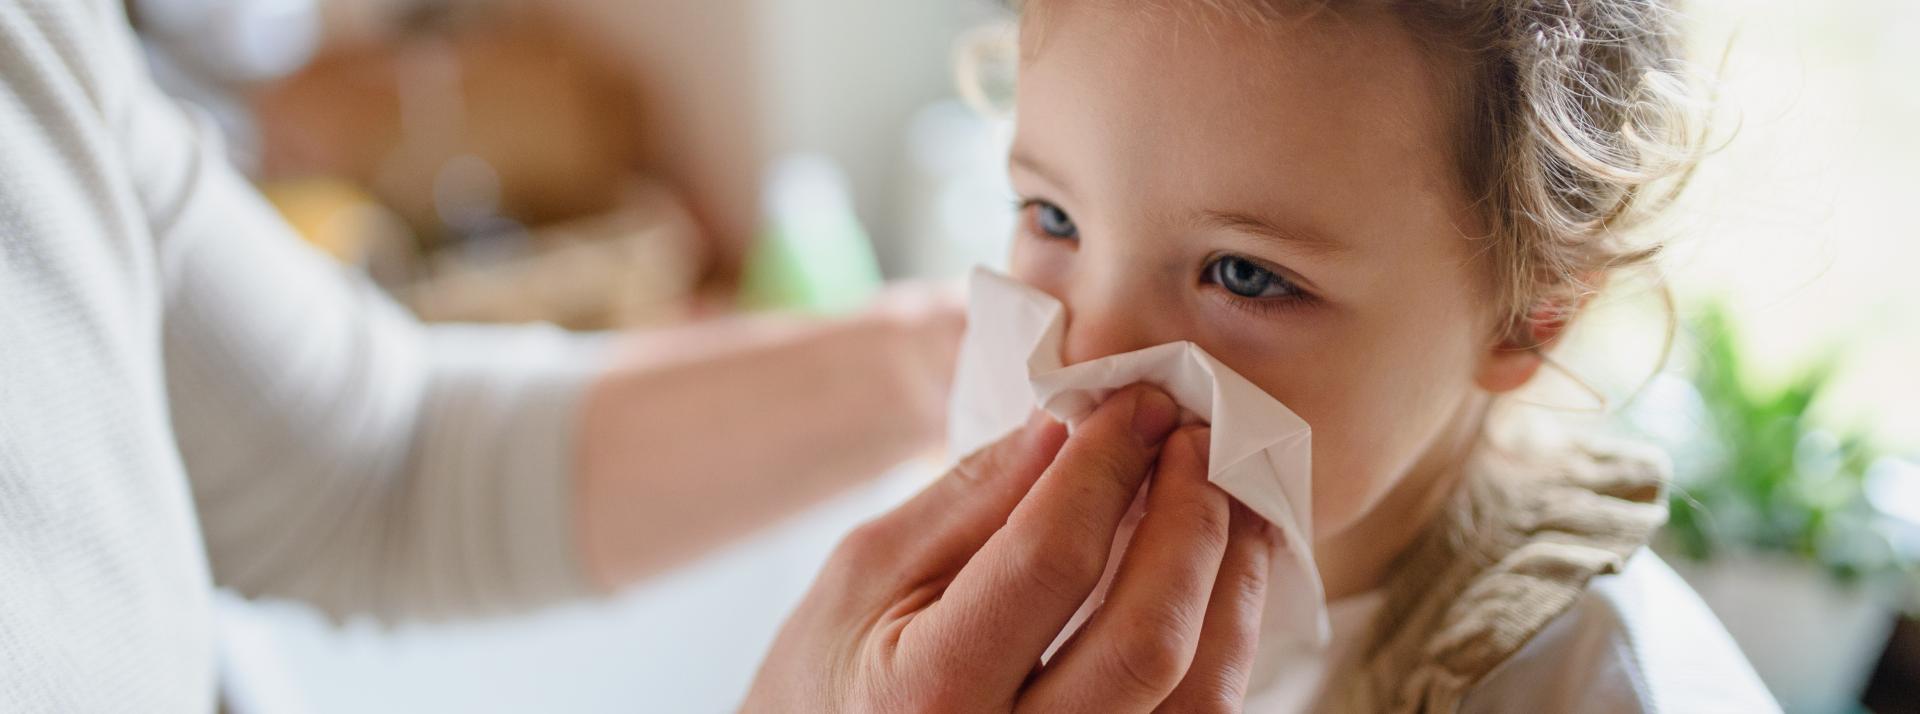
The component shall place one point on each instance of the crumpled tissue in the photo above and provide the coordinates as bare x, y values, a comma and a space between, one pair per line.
1010, 363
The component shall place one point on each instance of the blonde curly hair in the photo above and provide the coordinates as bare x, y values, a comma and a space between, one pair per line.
1579, 122
1579, 127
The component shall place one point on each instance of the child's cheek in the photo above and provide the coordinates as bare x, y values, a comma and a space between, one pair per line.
1043, 264
1313, 387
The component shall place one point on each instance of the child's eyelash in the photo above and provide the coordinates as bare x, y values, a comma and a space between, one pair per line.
1035, 214
1298, 299
1267, 307
1295, 300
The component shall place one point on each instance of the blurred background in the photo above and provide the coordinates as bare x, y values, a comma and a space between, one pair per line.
624, 163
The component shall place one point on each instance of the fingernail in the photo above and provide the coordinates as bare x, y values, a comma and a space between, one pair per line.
1154, 415
1201, 439
1254, 524
1037, 424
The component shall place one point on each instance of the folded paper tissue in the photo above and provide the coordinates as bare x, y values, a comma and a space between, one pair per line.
1010, 364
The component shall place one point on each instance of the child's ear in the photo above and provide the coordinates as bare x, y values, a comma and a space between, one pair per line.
1513, 360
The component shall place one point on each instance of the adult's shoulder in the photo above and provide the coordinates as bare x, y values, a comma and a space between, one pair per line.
1636, 641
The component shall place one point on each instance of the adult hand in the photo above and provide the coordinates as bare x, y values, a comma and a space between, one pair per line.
948, 602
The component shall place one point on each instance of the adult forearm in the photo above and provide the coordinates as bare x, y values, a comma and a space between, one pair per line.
702, 434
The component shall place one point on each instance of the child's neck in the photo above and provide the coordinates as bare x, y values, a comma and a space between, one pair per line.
1361, 556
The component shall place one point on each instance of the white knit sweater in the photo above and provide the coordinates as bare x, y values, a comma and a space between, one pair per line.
189, 396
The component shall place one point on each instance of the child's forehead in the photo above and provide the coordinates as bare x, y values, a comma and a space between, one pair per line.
1205, 41
1244, 100
1321, 129
1202, 17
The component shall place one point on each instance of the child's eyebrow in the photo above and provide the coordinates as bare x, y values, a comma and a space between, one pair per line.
1307, 241
1018, 158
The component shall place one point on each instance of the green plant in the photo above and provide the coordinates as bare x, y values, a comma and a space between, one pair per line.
1769, 477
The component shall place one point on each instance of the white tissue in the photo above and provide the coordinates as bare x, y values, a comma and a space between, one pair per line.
1260, 450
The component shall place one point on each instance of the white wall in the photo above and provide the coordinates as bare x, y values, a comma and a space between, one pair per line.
846, 78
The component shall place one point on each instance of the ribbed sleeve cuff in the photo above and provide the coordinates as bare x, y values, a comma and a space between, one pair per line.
507, 404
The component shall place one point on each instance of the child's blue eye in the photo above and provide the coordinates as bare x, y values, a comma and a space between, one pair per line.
1053, 221
1247, 279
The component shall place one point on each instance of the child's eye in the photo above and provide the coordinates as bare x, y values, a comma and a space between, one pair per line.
1050, 220
1247, 279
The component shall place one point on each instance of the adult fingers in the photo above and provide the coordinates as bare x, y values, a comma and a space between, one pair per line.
1217, 680
1010, 601
927, 539
1137, 647
848, 627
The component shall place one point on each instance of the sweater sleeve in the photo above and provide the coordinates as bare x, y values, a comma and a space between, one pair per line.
339, 452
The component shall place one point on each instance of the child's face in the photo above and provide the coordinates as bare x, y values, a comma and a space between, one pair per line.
1283, 196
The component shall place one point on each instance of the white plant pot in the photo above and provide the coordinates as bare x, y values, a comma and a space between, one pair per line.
1812, 640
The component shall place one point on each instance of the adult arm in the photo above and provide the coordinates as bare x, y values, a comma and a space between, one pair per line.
705, 433
343, 454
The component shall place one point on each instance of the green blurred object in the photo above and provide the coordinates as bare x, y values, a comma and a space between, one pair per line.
814, 256
1778, 481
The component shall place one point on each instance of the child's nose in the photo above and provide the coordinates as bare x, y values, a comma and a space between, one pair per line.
1108, 322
